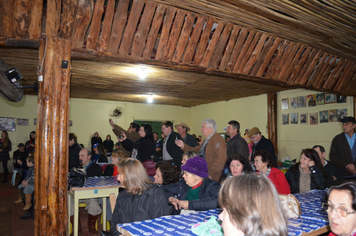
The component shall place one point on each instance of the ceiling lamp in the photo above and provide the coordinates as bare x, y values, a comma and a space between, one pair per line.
150, 98
142, 73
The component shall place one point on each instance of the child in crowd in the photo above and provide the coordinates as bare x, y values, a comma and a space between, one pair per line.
28, 184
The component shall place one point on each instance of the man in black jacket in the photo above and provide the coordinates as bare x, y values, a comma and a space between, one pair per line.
236, 143
74, 149
170, 151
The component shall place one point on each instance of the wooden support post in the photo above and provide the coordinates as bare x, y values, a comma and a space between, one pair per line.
354, 98
52, 138
272, 120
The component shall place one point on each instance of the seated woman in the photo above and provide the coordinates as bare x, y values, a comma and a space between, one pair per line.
188, 155
238, 165
342, 199
263, 162
308, 174
140, 200
197, 192
116, 157
251, 206
99, 155
166, 173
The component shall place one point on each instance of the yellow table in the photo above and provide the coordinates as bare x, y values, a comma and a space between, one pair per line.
95, 187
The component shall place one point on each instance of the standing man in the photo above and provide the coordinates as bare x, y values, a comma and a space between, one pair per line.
74, 149
170, 151
343, 148
261, 143
213, 149
236, 143
183, 130
131, 133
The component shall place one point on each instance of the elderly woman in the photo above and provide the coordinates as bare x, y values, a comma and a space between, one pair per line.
140, 200
238, 165
166, 173
308, 174
196, 192
263, 162
187, 155
342, 199
251, 206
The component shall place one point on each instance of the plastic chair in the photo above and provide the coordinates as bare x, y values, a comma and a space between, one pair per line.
101, 221
13, 179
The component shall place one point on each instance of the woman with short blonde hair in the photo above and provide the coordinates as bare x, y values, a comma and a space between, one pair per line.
251, 206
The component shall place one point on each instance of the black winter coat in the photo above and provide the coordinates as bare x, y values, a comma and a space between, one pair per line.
293, 178
144, 148
74, 155
208, 194
129, 208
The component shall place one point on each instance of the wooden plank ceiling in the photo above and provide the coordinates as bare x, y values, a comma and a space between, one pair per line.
195, 52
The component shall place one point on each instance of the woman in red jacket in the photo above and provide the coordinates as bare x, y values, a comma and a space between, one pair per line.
263, 162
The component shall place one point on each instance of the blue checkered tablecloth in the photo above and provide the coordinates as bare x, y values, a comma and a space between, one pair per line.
312, 218
104, 181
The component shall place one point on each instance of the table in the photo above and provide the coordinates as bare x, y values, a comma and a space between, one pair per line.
314, 220
94, 187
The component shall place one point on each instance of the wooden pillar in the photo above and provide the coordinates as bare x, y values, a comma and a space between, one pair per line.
51, 160
354, 98
272, 119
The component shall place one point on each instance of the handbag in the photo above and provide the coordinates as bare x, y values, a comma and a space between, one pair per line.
291, 206
76, 178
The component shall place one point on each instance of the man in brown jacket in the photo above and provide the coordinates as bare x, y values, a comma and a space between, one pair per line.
131, 133
213, 149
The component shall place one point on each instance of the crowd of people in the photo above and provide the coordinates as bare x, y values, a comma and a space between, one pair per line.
240, 175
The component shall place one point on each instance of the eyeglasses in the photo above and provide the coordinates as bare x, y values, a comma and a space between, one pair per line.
341, 211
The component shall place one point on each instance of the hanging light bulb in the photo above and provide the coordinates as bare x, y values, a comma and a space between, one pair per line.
142, 74
150, 98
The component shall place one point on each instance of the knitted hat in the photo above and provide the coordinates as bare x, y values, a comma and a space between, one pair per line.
196, 165
347, 119
253, 131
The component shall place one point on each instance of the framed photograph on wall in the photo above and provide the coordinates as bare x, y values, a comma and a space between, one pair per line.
313, 118
285, 103
294, 103
333, 115
294, 118
324, 116
7, 123
302, 101
330, 98
35, 121
341, 113
70, 123
319, 99
22, 122
311, 100
303, 118
341, 99
285, 119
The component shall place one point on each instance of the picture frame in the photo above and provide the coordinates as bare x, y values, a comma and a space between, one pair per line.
341, 114
294, 118
311, 100
285, 119
303, 118
341, 99
8, 124
35, 121
70, 123
330, 98
302, 101
324, 116
285, 103
294, 102
22, 122
320, 98
313, 118
333, 115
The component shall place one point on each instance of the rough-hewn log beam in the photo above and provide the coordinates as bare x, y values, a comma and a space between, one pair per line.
272, 120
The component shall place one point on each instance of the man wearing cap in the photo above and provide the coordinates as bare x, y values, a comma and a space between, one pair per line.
170, 152
212, 149
74, 149
183, 130
19, 158
343, 148
197, 192
261, 143
131, 133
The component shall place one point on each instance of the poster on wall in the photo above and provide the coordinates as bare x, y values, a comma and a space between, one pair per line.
294, 118
330, 98
319, 99
22, 122
313, 118
311, 100
7, 124
294, 103
302, 101
333, 115
324, 116
70, 123
285, 119
285, 103
35, 121
341, 113
303, 118
341, 99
